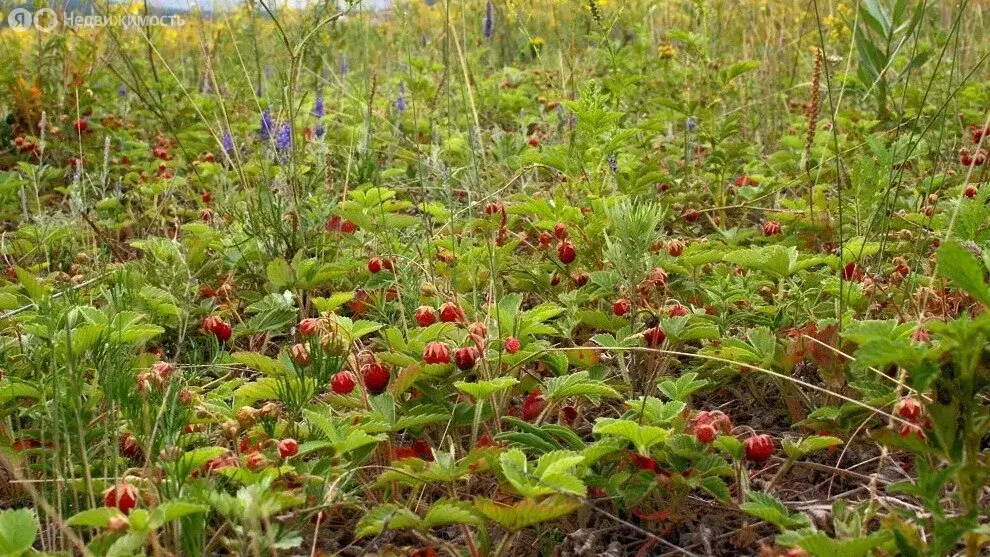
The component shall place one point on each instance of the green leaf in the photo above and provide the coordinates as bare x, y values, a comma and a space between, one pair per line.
445, 512
35, 290
716, 486
766, 507
18, 529
683, 387
174, 510
961, 267
387, 516
729, 445
261, 363
820, 545
526, 512
808, 445
481, 390
578, 384
642, 436
18, 390
93, 518
280, 273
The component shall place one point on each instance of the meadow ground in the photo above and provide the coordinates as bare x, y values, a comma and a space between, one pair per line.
547, 277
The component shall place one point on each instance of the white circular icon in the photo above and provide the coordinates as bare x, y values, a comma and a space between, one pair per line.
45, 20
20, 19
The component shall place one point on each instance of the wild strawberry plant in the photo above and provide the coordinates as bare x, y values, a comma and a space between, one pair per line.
498, 279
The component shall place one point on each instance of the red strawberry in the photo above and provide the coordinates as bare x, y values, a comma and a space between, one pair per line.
705, 433
909, 409
691, 216
560, 230
422, 449
450, 313
342, 383
675, 248
533, 405
566, 252
654, 336
206, 196
348, 227
81, 125
970, 191
466, 357
218, 327
534, 141
643, 462
545, 239
621, 307
123, 496
493, 208
677, 311
425, 316
436, 353
771, 228
850, 271
308, 326
568, 414
376, 377
758, 448
287, 448
580, 279
374, 265
256, 461
512, 345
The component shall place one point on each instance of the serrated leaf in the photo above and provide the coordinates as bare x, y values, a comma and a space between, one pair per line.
93, 518
578, 384
481, 390
809, 445
642, 436
961, 267
444, 512
387, 516
527, 511
18, 528
260, 363
766, 507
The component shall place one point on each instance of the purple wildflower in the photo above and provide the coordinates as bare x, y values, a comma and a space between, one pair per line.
267, 125
692, 124
489, 25
319, 131
318, 105
613, 163
400, 101
344, 67
227, 142
283, 141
